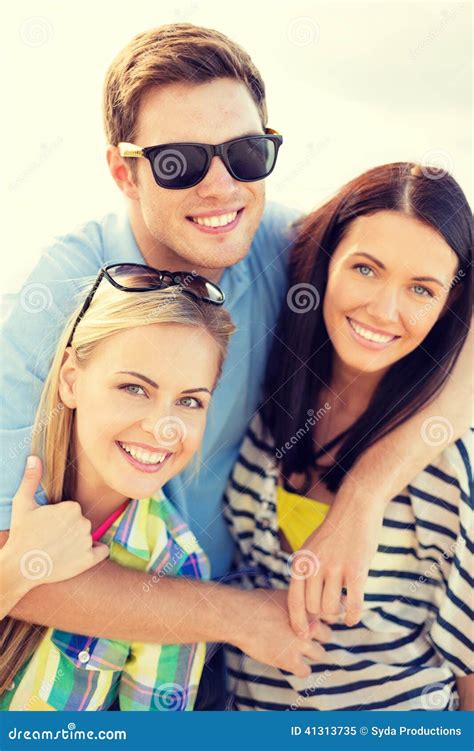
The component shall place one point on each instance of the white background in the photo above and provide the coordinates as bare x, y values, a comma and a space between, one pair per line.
350, 85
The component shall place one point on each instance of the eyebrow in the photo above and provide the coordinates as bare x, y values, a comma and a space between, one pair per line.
155, 385
414, 278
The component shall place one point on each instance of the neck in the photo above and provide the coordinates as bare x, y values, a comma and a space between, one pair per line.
160, 256
96, 499
353, 388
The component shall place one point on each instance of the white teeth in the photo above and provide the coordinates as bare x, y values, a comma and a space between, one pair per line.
157, 457
215, 221
369, 335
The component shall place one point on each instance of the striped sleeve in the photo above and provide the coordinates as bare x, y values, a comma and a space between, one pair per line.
250, 480
452, 631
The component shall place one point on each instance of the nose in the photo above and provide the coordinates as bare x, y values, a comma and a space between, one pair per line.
218, 182
385, 305
166, 430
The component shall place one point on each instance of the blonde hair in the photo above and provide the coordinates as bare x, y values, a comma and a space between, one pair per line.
111, 311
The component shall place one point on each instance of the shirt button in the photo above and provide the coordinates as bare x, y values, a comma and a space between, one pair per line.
84, 656
11, 686
265, 523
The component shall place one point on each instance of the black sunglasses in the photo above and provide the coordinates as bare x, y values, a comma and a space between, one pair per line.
183, 165
137, 277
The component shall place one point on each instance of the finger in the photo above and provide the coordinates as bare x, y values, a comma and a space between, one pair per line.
331, 598
314, 651
100, 551
314, 590
354, 599
299, 668
25, 496
297, 608
320, 631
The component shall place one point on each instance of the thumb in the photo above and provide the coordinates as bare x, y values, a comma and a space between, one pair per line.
100, 551
25, 495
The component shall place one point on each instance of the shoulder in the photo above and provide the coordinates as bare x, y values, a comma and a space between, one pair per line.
66, 266
446, 485
255, 468
274, 235
455, 462
83, 250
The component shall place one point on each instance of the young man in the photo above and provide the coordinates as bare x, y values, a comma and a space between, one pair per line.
171, 86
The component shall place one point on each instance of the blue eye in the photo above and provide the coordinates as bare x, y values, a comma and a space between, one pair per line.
133, 388
192, 402
363, 269
424, 291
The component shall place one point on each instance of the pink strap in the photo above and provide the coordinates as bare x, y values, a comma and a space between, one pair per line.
102, 528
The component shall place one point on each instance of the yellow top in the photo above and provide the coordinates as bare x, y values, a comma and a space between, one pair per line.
298, 516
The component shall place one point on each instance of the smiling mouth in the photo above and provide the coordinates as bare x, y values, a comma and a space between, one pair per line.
218, 222
371, 336
145, 461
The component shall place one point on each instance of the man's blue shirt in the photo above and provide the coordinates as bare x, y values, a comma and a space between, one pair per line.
254, 288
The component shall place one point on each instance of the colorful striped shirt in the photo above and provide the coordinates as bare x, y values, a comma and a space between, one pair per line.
74, 672
415, 636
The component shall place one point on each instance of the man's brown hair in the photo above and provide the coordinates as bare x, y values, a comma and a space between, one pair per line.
174, 53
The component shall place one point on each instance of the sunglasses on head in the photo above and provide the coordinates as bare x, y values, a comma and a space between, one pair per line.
183, 165
137, 277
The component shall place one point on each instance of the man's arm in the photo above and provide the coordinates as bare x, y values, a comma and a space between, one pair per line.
465, 686
114, 602
347, 541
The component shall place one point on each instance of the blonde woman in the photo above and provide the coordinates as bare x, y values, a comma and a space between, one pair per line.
127, 396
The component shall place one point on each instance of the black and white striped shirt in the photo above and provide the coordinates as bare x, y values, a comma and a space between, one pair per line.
416, 632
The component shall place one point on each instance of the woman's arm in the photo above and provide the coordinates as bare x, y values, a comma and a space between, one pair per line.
346, 542
14, 585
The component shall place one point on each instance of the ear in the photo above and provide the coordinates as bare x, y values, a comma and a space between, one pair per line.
67, 379
121, 173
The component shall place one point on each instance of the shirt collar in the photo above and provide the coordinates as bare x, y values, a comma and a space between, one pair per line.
130, 530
